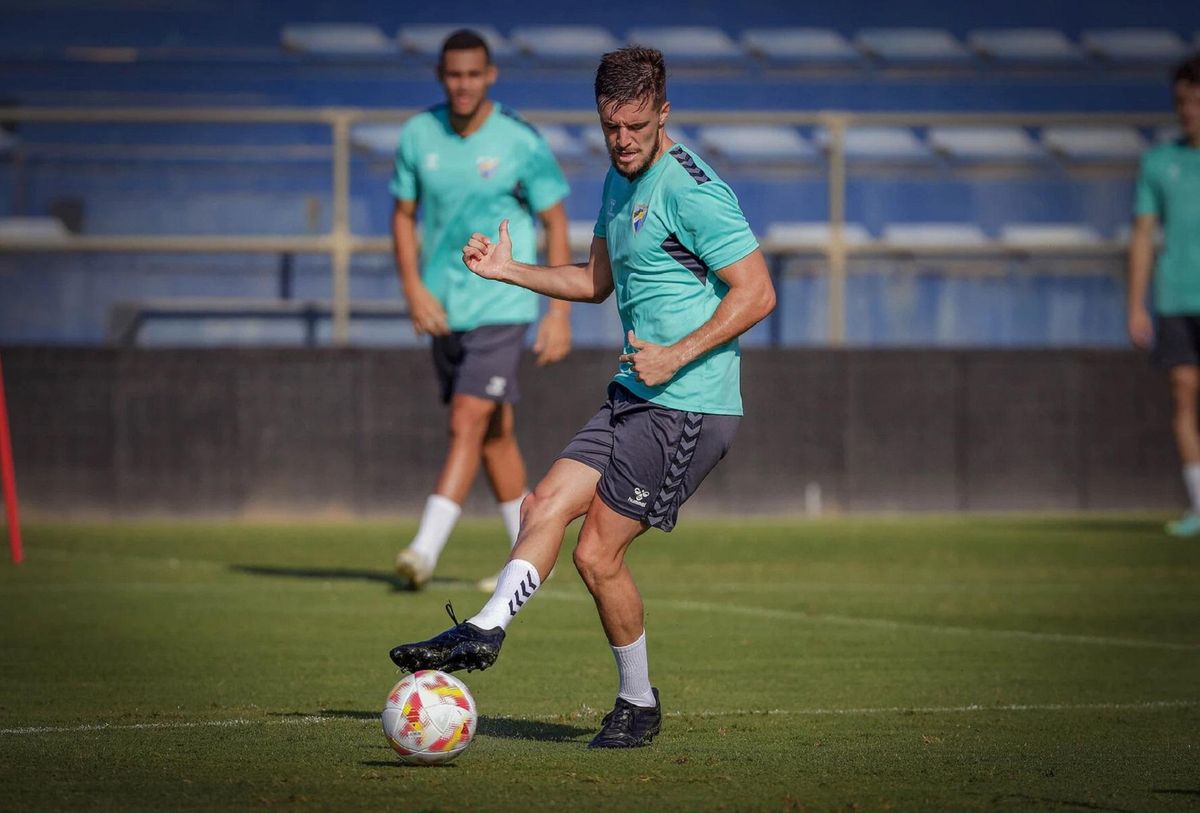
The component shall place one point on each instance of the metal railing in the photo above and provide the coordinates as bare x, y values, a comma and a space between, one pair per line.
340, 243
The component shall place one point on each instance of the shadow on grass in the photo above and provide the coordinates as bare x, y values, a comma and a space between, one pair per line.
505, 728
395, 763
393, 581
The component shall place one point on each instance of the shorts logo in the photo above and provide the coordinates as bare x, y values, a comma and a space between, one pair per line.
639, 216
487, 166
639, 497
495, 387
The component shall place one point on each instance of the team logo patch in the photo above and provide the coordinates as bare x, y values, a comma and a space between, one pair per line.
639, 216
431, 161
639, 496
487, 166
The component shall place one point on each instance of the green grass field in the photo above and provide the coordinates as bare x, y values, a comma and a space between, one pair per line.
859, 664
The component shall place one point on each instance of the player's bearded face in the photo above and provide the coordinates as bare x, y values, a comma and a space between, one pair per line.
633, 133
466, 76
1187, 105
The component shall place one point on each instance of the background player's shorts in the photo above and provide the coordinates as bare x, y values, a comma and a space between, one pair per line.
650, 458
481, 362
1176, 341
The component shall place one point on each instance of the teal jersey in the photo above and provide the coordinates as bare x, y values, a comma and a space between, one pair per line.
466, 185
1168, 187
668, 232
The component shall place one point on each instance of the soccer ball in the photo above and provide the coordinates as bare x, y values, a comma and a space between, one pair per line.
429, 718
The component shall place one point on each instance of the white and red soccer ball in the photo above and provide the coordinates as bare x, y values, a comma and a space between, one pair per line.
429, 718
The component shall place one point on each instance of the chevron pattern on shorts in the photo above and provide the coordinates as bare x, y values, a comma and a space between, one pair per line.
668, 495
523, 592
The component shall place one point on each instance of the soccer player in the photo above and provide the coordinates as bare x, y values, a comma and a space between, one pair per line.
689, 277
1168, 194
469, 161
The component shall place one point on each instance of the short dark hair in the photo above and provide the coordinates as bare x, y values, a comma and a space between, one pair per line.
1189, 70
464, 39
629, 74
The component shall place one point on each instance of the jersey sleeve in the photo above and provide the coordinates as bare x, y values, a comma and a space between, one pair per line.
542, 178
710, 224
405, 185
1145, 192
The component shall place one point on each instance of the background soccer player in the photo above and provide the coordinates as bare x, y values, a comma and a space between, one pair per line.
467, 162
1168, 194
689, 277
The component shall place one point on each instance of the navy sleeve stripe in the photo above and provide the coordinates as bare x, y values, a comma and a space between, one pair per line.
687, 259
515, 116
685, 161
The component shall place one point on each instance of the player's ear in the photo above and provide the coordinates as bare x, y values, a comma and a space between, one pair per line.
492, 73
664, 114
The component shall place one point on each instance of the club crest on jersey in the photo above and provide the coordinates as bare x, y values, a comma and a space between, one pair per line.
487, 166
639, 216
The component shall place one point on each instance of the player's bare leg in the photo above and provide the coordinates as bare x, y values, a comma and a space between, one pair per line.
505, 469
1185, 386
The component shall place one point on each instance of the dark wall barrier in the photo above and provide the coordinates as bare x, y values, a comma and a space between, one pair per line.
248, 432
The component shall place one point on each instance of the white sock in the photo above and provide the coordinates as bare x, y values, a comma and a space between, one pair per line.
511, 511
437, 521
634, 669
515, 585
1191, 476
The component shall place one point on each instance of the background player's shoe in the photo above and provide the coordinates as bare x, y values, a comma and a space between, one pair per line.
1187, 525
629, 726
463, 646
488, 583
414, 567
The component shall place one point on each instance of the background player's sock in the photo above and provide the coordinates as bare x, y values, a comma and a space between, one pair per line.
437, 521
1191, 476
634, 669
517, 583
511, 512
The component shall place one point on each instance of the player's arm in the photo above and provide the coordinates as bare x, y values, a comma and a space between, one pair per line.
554, 332
1141, 261
590, 282
424, 310
751, 297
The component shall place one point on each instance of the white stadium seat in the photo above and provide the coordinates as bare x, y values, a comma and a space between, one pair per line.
686, 42
560, 141
923, 45
564, 42
934, 235
750, 142
1024, 45
427, 38
1135, 44
878, 144
1083, 143
797, 236
379, 139
335, 38
40, 229
800, 45
984, 143
1049, 235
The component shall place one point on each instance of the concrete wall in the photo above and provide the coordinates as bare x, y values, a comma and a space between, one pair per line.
248, 432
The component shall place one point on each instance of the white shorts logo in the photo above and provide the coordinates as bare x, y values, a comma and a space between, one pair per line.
639, 497
495, 387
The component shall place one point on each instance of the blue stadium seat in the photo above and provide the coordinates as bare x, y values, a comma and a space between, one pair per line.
564, 42
336, 38
1034, 236
1025, 46
878, 144
800, 46
813, 236
985, 143
916, 236
427, 38
687, 43
929, 46
755, 143
1135, 45
1083, 143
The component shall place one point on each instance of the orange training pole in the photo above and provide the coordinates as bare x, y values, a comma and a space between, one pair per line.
9, 478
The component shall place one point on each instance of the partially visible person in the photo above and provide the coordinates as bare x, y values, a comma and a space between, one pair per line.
463, 163
1168, 197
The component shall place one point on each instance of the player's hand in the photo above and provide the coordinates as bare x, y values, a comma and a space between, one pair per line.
486, 258
426, 313
1141, 328
553, 338
652, 363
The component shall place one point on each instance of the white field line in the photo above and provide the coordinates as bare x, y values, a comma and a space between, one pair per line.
318, 719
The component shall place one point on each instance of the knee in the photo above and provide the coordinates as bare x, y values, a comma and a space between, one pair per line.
594, 563
468, 422
544, 505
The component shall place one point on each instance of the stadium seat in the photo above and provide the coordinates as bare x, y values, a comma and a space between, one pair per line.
1025, 46
1162, 135
688, 43
579, 235
1083, 143
934, 235
561, 142
335, 38
379, 139
1133, 45
427, 38
752, 143
984, 143
564, 42
41, 229
1049, 235
878, 144
802, 236
912, 45
794, 46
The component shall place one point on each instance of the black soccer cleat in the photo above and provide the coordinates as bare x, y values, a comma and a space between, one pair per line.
463, 646
629, 726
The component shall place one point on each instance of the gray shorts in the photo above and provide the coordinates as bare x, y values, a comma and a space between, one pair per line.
1176, 341
481, 362
650, 458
